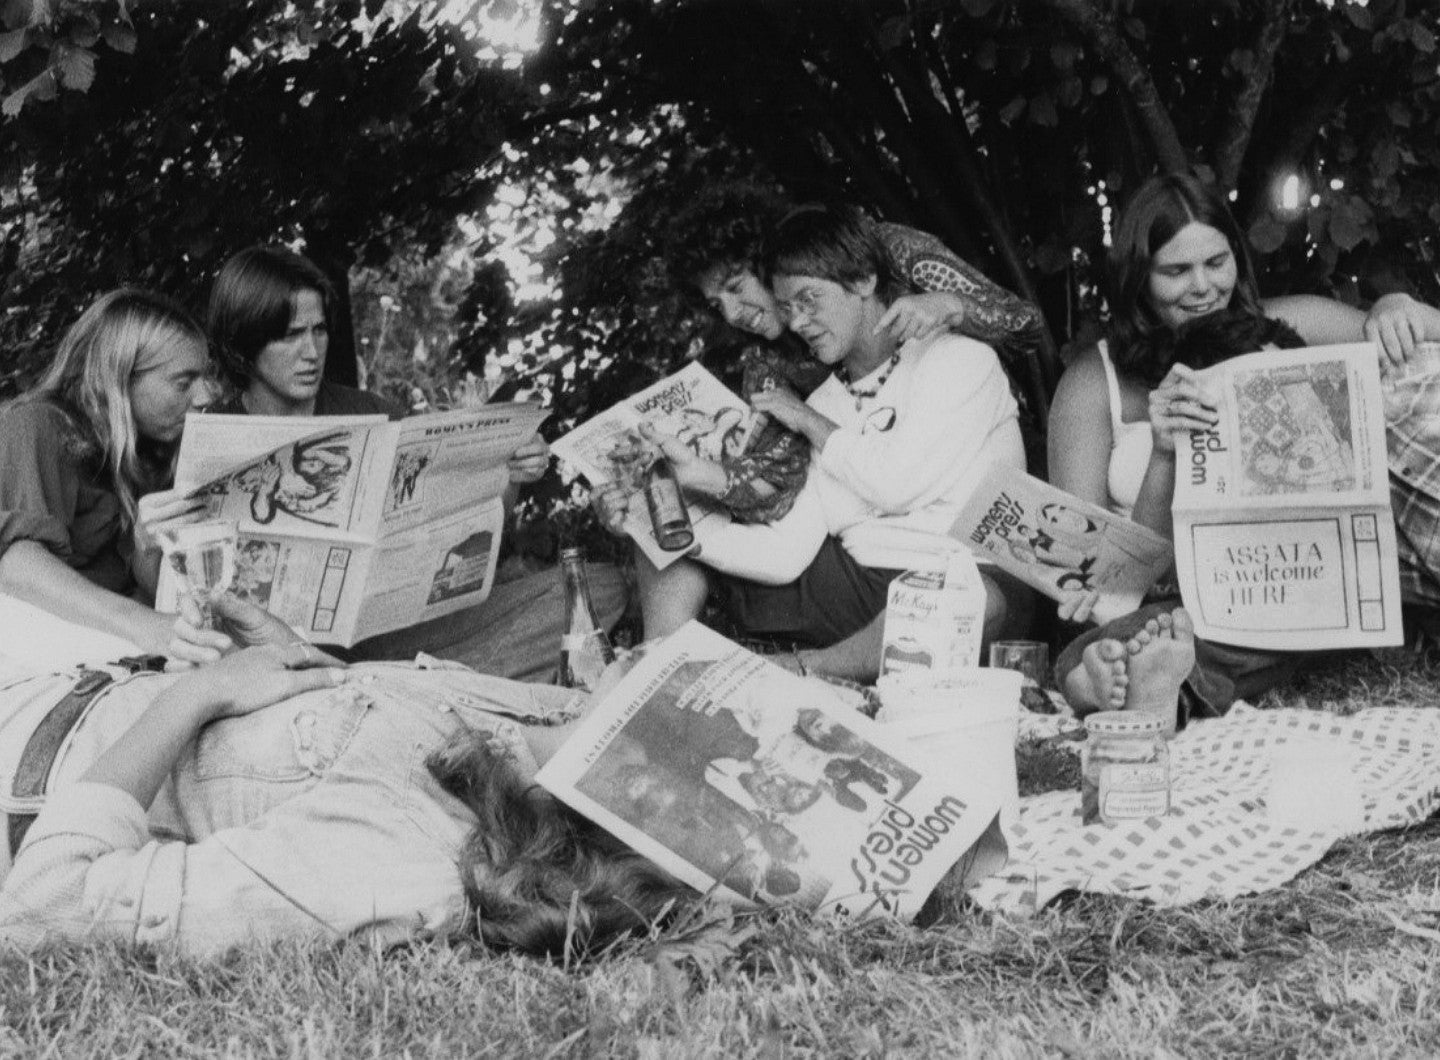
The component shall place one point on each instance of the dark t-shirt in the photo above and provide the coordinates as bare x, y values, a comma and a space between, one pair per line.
54, 490
332, 400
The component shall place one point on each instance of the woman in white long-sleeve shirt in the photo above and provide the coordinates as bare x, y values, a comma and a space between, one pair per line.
899, 434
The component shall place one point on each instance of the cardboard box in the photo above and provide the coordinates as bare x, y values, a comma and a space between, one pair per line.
934, 619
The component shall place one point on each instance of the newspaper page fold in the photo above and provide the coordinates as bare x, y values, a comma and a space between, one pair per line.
355, 526
1059, 544
730, 772
692, 405
1284, 537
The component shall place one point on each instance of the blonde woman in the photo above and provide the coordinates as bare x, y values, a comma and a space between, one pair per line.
98, 431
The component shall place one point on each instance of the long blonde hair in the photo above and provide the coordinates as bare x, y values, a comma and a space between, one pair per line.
122, 334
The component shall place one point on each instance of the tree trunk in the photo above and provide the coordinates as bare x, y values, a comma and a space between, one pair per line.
1234, 138
1102, 32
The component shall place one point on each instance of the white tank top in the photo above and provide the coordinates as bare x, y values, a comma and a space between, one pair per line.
1130, 445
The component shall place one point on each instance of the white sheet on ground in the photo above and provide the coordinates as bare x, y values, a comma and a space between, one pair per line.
1217, 841
32, 639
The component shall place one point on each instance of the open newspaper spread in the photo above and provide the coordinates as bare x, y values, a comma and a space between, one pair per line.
352, 526
1059, 544
692, 405
1284, 537
730, 772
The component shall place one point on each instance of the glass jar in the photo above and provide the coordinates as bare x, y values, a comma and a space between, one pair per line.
1125, 768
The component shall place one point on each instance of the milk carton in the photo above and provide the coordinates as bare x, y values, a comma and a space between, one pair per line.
933, 619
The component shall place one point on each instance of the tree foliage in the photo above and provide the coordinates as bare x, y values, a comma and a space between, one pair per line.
1007, 128
1011, 128
351, 129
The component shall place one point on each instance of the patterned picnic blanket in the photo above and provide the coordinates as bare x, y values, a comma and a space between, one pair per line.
1217, 842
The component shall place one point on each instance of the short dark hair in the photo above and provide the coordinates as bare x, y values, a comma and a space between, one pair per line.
725, 227
836, 243
1153, 216
252, 301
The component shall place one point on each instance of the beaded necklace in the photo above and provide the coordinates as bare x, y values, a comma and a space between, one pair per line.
861, 393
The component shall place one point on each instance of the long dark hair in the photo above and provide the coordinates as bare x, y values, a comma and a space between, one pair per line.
1154, 215
539, 877
252, 302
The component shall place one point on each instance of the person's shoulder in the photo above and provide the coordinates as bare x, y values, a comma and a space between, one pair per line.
949, 352
1084, 385
36, 414
337, 400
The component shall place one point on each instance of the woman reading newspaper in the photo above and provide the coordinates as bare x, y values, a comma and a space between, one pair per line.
1183, 297
716, 248
96, 433
895, 432
271, 795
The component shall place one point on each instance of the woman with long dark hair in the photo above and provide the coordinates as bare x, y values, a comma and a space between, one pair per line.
1183, 297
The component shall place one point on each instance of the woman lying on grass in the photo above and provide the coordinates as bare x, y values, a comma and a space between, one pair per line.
274, 795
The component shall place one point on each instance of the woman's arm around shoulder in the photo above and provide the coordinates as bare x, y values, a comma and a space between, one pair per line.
1079, 437
1319, 321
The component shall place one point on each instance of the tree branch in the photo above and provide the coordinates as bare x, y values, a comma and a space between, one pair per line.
1102, 32
1234, 138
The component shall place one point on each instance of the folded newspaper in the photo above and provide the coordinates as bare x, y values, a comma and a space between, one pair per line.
1284, 537
692, 405
352, 526
732, 773
1059, 544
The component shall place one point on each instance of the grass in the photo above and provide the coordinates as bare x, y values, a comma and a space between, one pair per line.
1344, 961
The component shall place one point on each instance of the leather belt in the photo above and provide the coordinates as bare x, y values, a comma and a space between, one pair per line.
44, 745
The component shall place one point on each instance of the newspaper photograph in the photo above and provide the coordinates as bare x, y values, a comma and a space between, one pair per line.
693, 406
354, 526
1283, 531
1061, 545
734, 774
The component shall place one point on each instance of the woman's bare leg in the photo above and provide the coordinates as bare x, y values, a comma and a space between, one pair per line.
671, 597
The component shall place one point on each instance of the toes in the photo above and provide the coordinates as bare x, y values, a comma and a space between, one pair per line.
1110, 650
1183, 624
1165, 623
1152, 627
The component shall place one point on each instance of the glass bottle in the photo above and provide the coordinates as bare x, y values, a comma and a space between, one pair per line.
668, 513
585, 650
1125, 767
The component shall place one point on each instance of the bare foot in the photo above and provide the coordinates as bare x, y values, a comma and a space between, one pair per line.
1159, 662
1099, 682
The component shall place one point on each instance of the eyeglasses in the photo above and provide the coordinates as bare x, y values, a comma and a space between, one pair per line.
806, 301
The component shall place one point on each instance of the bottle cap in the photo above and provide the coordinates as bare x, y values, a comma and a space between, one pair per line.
1125, 723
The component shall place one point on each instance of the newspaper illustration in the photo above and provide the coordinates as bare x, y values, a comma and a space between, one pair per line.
692, 405
728, 771
355, 526
1284, 537
1059, 544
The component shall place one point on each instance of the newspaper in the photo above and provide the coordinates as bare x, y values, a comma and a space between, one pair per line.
1284, 537
1059, 544
355, 526
692, 405
732, 773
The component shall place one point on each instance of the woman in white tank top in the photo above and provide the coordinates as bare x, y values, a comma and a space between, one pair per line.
1178, 256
